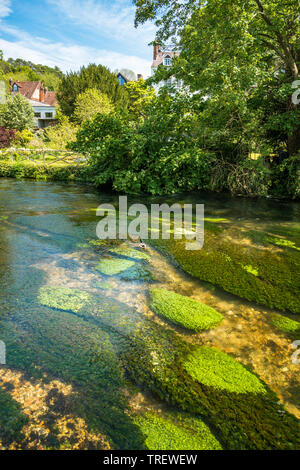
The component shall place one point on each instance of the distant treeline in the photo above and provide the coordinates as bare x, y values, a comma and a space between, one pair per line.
23, 70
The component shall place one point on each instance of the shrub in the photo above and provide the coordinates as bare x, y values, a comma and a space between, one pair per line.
131, 158
184, 311
54, 172
7, 136
249, 177
286, 178
18, 114
24, 137
60, 136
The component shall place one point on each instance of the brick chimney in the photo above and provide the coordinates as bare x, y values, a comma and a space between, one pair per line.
156, 51
42, 93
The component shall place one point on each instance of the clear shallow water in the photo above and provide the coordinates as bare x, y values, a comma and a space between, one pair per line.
64, 369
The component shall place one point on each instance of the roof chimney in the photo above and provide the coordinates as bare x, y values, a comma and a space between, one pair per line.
156, 51
42, 94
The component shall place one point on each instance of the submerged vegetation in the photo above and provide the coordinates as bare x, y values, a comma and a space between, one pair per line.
245, 414
184, 311
263, 276
180, 433
218, 370
285, 324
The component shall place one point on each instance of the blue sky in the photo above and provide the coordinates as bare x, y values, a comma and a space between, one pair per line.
71, 33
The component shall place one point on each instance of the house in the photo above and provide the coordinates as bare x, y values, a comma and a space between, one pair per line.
42, 101
162, 56
123, 80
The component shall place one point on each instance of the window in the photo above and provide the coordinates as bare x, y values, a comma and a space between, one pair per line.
167, 61
49, 115
37, 115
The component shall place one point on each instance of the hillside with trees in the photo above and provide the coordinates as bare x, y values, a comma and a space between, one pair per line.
22, 70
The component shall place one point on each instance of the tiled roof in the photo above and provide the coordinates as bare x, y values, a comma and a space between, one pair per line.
50, 98
27, 89
37, 103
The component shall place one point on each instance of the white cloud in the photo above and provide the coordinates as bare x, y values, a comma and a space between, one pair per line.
111, 19
5, 9
67, 57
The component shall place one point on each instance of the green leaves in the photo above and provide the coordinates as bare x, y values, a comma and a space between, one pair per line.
89, 103
17, 114
230, 50
92, 76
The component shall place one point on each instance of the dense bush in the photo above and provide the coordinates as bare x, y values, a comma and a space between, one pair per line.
55, 172
155, 155
6, 137
17, 113
286, 178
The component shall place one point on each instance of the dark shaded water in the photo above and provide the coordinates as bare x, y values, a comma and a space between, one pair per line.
63, 368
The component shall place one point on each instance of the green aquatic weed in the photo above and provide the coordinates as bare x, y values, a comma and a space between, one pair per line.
113, 266
176, 433
219, 370
63, 298
184, 311
285, 324
130, 253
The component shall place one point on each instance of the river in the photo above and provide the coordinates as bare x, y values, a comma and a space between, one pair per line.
63, 371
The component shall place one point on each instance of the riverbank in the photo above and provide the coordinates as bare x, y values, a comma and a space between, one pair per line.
41, 172
283, 183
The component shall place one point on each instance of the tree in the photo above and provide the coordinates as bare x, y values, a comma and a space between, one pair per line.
92, 76
89, 103
60, 136
140, 96
230, 50
17, 113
